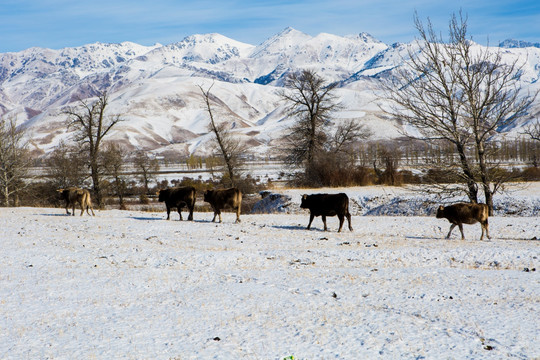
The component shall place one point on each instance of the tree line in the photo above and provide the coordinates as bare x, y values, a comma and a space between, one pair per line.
456, 96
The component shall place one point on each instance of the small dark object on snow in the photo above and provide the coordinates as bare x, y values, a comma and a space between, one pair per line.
216, 338
334, 295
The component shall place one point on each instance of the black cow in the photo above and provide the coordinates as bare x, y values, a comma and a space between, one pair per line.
218, 199
327, 205
177, 198
465, 213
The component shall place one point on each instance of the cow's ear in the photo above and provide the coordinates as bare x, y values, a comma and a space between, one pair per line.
157, 192
60, 190
441, 207
304, 197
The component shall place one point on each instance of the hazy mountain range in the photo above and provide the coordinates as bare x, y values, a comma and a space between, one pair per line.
156, 88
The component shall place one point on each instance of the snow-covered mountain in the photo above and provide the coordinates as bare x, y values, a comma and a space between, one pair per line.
156, 88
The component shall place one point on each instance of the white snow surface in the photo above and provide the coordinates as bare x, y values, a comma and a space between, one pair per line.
129, 284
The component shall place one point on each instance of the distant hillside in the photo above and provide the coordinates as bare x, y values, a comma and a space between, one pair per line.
156, 88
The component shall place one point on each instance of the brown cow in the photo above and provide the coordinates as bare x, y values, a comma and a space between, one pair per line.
327, 205
73, 195
465, 213
218, 199
178, 198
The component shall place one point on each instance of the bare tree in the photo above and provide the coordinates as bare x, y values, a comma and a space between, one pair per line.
230, 148
533, 130
113, 158
311, 102
314, 142
346, 136
463, 94
146, 167
66, 167
91, 125
15, 160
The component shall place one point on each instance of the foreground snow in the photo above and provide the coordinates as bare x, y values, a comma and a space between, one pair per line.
129, 284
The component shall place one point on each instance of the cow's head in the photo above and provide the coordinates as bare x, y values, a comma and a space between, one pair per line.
162, 194
440, 212
305, 202
208, 195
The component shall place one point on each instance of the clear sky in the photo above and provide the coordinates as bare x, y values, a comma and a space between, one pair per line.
66, 23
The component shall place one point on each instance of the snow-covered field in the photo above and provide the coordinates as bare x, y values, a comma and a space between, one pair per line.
129, 284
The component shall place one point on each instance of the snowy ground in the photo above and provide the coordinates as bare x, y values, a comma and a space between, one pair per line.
129, 284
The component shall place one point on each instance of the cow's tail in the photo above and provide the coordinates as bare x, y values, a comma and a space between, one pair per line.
87, 200
239, 208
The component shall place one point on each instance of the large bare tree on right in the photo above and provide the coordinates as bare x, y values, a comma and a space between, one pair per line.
458, 92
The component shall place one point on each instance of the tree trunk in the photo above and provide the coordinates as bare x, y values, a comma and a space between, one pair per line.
472, 189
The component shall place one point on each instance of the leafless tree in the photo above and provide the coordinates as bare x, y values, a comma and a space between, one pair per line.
314, 141
312, 103
463, 94
146, 167
113, 158
91, 125
66, 167
15, 160
533, 130
228, 146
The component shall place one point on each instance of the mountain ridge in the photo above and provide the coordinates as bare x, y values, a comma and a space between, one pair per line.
156, 88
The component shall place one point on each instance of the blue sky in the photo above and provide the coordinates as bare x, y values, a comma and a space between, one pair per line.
67, 23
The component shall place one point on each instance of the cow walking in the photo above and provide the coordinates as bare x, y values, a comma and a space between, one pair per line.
177, 198
73, 196
219, 199
327, 205
465, 213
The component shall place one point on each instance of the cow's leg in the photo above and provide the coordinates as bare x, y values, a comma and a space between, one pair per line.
341, 221
311, 217
67, 207
324, 222
450, 232
238, 208
90, 208
487, 229
219, 213
349, 221
168, 212
180, 213
73, 209
190, 217
461, 229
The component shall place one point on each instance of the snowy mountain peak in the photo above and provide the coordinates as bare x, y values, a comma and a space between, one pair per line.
512, 43
284, 41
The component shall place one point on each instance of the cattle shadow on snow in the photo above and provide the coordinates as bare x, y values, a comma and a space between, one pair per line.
144, 218
293, 227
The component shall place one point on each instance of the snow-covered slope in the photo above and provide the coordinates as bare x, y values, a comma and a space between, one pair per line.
156, 88
129, 284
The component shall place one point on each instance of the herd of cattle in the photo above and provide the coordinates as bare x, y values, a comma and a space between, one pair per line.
318, 205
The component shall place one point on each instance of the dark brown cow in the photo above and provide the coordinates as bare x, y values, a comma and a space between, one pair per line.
74, 195
178, 198
327, 205
465, 213
219, 199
